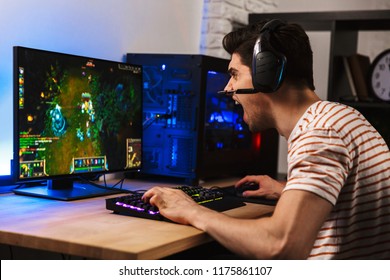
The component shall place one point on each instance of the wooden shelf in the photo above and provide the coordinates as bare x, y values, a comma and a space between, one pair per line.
378, 105
348, 20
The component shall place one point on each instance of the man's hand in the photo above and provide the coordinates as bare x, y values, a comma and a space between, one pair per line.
268, 187
173, 204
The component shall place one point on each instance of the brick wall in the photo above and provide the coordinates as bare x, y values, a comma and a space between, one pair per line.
221, 16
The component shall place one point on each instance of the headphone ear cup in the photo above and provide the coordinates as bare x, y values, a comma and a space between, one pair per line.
268, 71
268, 65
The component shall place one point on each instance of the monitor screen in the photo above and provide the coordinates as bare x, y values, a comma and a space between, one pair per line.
75, 117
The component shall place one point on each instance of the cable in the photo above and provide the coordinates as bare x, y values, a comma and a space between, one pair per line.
147, 123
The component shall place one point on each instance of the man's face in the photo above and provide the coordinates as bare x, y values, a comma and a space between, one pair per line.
240, 74
255, 106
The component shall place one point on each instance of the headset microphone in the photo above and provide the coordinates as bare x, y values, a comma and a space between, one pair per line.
238, 91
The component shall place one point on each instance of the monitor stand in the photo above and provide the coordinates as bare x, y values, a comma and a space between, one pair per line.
64, 189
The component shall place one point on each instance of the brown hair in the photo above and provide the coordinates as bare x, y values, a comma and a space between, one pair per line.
289, 39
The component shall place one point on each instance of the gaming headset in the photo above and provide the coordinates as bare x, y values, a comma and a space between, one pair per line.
268, 65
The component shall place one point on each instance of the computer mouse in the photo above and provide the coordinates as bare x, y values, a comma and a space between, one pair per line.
246, 187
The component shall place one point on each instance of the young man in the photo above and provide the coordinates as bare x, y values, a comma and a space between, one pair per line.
336, 201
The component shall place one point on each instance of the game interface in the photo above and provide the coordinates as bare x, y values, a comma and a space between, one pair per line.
77, 115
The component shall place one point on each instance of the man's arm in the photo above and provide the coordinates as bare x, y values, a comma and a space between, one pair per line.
288, 234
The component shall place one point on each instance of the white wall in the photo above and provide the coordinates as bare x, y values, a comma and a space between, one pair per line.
222, 16
95, 28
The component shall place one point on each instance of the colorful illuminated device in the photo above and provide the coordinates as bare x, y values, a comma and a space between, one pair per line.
75, 118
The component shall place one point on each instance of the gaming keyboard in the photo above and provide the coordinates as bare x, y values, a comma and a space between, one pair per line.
133, 205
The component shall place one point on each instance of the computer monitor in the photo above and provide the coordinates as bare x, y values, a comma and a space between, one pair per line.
75, 118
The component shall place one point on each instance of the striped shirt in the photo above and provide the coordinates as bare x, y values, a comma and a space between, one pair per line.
335, 153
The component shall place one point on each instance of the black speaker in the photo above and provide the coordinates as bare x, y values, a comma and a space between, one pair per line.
268, 65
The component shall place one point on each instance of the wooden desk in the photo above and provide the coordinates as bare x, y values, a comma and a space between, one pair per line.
86, 228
